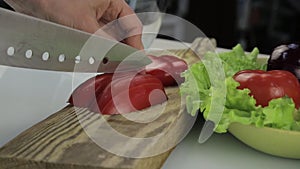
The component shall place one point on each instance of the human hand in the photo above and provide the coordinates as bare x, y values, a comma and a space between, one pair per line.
88, 16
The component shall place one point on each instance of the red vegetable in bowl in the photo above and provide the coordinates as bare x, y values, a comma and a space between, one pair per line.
268, 85
167, 68
119, 93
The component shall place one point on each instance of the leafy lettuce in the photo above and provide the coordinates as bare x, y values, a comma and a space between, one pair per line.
202, 92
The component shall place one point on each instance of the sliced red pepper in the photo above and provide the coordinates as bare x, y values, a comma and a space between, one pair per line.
123, 93
119, 93
268, 85
128, 94
86, 92
167, 68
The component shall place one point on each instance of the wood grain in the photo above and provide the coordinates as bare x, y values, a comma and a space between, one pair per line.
68, 139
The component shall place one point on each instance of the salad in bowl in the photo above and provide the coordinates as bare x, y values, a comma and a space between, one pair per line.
262, 100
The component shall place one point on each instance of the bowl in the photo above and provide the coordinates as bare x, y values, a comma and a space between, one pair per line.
277, 142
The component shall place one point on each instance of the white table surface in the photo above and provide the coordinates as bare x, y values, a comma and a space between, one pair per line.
29, 96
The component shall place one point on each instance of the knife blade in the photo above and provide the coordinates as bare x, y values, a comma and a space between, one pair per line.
29, 42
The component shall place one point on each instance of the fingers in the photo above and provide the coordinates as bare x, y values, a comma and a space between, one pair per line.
127, 28
135, 41
133, 29
89, 25
130, 36
89, 16
133, 26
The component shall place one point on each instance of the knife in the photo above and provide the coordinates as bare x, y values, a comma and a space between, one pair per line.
29, 42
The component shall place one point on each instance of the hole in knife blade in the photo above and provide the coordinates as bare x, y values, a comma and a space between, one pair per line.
11, 51
105, 60
61, 58
91, 60
45, 56
28, 54
77, 59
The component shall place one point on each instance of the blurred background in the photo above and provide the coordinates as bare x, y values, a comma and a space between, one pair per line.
253, 23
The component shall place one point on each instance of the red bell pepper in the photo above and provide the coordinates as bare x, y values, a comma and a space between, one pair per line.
268, 85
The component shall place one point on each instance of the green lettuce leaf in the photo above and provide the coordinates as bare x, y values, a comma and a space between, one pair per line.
236, 60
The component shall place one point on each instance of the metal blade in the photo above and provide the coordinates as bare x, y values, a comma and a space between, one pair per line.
28, 42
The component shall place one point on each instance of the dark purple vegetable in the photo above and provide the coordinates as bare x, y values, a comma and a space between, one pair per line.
286, 57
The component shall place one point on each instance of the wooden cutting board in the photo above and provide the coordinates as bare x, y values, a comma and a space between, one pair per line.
61, 140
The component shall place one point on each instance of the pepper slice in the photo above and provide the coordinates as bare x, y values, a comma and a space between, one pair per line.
128, 94
268, 85
119, 93
85, 93
167, 68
